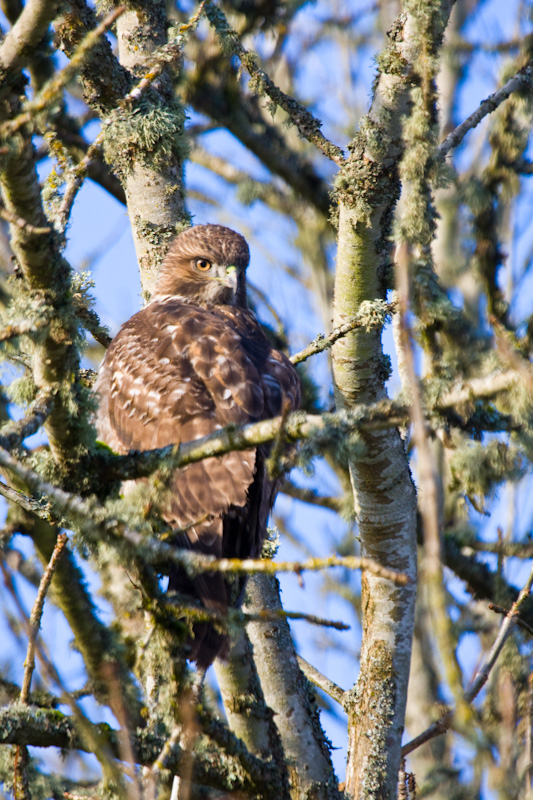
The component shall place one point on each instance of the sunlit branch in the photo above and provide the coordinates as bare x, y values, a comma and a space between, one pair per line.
307, 124
234, 616
371, 315
428, 502
82, 512
318, 679
522, 80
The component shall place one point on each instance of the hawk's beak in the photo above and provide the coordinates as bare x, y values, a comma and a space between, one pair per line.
231, 278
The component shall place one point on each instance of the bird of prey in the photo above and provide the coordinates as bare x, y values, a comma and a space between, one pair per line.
192, 361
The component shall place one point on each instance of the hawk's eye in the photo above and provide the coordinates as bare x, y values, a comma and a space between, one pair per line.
203, 264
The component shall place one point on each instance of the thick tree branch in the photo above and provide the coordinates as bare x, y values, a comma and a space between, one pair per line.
384, 497
43, 728
248, 715
300, 731
85, 514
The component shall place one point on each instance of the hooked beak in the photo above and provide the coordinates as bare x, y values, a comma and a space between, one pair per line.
230, 278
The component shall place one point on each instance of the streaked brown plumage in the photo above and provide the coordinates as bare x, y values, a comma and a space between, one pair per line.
194, 360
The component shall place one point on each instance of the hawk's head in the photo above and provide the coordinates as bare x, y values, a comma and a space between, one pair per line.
206, 264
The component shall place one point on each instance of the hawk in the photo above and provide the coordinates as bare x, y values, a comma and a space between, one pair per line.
192, 361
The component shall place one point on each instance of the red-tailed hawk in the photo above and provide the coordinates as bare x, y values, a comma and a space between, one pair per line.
192, 361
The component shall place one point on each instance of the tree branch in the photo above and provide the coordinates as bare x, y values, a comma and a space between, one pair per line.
522, 80
52, 89
482, 675
44, 728
318, 679
83, 513
308, 126
27, 32
372, 314
36, 614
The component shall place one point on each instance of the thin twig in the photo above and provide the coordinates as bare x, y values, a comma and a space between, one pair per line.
373, 315
36, 614
482, 675
307, 124
310, 496
505, 611
266, 615
522, 80
22, 223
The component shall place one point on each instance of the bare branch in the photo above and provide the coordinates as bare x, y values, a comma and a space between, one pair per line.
311, 497
318, 679
522, 80
35, 617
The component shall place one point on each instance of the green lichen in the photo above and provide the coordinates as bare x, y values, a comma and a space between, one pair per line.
149, 135
477, 469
